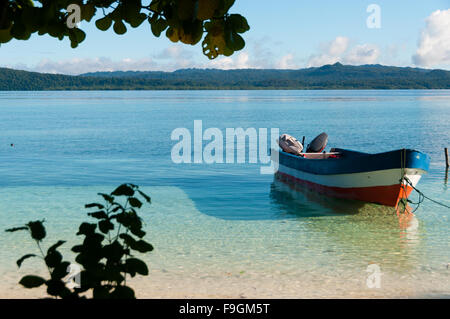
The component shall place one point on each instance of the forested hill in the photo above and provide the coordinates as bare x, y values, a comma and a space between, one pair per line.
336, 76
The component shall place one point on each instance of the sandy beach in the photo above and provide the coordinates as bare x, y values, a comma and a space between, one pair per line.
228, 285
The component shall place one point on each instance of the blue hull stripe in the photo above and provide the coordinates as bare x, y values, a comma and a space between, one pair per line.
356, 162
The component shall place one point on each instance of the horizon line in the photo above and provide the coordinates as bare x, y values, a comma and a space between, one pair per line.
235, 69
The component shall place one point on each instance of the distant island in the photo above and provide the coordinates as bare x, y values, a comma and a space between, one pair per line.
336, 76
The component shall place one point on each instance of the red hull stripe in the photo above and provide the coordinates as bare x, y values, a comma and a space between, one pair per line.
388, 195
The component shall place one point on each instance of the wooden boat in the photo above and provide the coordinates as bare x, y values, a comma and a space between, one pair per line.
382, 178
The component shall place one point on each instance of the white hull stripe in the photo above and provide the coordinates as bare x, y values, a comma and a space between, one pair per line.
367, 179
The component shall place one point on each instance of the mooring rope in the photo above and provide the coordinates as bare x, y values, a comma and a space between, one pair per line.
422, 196
404, 200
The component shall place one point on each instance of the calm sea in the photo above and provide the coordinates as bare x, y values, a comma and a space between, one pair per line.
217, 219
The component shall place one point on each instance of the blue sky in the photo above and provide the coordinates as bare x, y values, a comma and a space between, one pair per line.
284, 34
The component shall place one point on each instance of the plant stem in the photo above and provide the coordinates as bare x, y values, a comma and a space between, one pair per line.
43, 257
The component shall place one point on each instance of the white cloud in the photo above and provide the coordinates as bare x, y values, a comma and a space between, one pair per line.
319, 60
330, 52
83, 65
338, 50
434, 43
176, 52
169, 59
238, 61
245, 60
258, 54
286, 62
338, 46
362, 54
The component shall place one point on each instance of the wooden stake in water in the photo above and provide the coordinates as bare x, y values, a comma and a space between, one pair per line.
446, 165
446, 157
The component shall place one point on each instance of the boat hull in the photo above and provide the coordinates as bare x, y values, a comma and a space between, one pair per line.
376, 178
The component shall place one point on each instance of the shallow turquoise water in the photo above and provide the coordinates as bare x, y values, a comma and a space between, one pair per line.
208, 220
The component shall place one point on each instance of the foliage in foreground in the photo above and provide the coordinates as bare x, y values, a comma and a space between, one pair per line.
105, 253
182, 20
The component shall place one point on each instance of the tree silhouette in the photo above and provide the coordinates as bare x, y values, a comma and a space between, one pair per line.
188, 21
107, 256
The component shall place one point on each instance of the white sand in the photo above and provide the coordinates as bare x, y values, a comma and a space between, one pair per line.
177, 285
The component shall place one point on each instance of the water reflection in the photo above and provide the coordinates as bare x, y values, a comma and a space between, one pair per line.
446, 177
301, 202
360, 232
